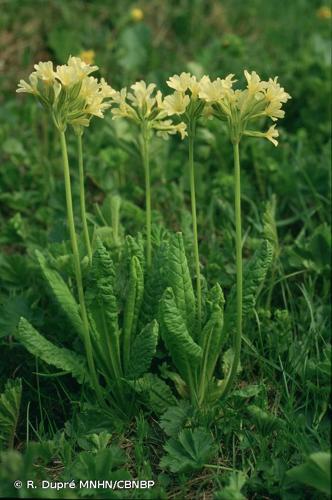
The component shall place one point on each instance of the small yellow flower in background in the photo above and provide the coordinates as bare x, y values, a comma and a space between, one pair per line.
137, 14
324, 12
88, 56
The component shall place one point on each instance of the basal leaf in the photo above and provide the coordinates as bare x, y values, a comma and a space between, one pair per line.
60, 357
10, 401
179, 279
155, 392
211, 336
132, 307
186, 354
62, 295
142, 351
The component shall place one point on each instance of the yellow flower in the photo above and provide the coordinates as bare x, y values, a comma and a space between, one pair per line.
275, 92
181, 128
88, 56
137, 14
29, 88
73, 72
254, 83
96, 106
324, 12
175, 104
142, 96
81, 68
215, 91
106, 90
90, 88
44, 71
181, 83
271, 134
166, 127
67, 75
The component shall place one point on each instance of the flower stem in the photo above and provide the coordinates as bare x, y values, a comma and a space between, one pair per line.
239, 278
194, 219
77, 265
82, 195
146, 165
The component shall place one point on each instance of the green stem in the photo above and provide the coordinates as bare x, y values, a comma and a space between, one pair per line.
77, 265
82, 195
146, 165
194, 219
238, 334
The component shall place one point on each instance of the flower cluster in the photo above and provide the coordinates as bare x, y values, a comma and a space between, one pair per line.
240, 107
185, 98
144, 106
69, 93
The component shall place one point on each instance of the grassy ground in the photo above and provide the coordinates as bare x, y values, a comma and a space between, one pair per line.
278, 415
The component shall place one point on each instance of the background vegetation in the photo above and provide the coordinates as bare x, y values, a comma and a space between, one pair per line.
278, 415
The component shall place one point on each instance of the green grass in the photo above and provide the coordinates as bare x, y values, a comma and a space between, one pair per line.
277, 416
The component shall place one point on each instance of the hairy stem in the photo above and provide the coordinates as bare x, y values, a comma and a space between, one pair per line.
82, 196
194, 220
77, 265
238, 335
146, 165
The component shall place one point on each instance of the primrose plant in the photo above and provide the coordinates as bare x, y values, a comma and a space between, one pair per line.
195, 347
240, 109
72, 98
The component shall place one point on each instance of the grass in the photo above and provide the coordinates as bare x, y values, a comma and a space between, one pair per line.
277, 416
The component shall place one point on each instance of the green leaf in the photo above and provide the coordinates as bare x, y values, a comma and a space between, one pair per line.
233, 490
62, 296
103, 310
254, 274
175, 418
315, 472
60, 357
132, 307
103, 465
157, 395
185, 353
190, 451
10, 401
142, 351
211, 336
180, 281
155, 284
266, 422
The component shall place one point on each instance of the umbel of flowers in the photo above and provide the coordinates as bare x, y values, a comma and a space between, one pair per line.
68, 92
143, 106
